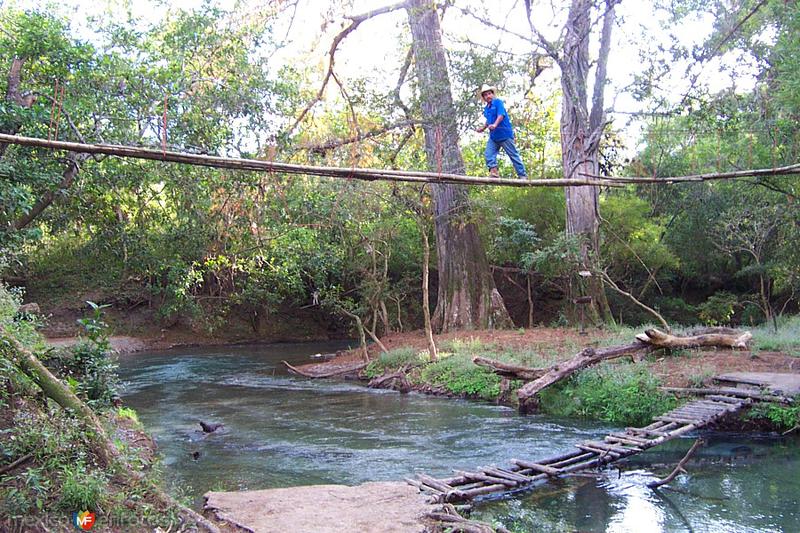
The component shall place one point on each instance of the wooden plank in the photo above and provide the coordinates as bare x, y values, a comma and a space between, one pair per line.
559, 458
438, 485
550, 471
500, 472
630, 437
722, 391
692, 414
726, 399
623, 440
707, 405
677, 420
415, 483
480, 491
654, 432
599, 451
723, 405
488, 479
611, 447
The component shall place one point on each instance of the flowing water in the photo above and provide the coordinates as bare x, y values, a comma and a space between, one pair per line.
280, 430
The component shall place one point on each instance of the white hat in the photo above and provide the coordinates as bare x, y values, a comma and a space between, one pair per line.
485, 88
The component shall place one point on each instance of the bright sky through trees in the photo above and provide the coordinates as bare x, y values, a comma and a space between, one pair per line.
374, 49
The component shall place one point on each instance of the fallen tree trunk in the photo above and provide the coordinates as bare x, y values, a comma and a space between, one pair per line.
54, 389
62, 395
507, 370
587, 357
337, 371
393, 381
718, 338
650, 340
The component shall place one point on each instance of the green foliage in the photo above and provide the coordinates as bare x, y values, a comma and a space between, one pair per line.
782, 417
718, 309
129, 413
786, 338
459, 375
515, 241
89, 366
614, 393
81, 488
394, 360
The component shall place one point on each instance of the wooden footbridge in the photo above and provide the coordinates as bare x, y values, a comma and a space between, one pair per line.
710, 407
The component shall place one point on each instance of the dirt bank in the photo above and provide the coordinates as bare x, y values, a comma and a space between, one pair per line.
676, 370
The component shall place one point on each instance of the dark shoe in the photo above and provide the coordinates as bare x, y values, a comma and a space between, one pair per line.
494, 173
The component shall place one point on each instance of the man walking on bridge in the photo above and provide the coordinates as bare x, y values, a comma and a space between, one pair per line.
501, 134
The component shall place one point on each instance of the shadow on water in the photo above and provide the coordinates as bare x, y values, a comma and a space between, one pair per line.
280, 430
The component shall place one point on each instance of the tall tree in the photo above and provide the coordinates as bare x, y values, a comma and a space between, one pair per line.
467, 296
581, 125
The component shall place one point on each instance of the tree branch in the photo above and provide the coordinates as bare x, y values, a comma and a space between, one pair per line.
355, 22
630, 296
73, 167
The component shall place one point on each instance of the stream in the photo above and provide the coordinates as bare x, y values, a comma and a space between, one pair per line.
282, 430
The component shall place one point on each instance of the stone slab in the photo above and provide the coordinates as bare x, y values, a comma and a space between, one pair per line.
779, 383
381, 507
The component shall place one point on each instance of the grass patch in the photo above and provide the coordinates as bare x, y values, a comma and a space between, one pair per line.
459, 375
786, 339
393, 360
620, 394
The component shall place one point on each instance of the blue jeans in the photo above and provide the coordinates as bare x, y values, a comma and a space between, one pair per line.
493, 148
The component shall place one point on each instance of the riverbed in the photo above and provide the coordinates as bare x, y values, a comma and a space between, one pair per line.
281, 430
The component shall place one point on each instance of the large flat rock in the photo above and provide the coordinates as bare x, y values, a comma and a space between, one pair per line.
783, 384
380, 506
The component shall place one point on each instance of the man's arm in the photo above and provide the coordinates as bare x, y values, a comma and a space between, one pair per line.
496, 123
501, 114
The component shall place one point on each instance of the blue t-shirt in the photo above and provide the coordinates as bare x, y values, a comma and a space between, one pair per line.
503, 130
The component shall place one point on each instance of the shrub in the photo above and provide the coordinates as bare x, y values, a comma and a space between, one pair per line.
782, 417
81, 488
460, 375
613, 393
718, 309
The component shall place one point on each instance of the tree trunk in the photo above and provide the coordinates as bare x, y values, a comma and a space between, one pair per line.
14, 96
61, 394
467, 296
580, 136
67, 178
426, 304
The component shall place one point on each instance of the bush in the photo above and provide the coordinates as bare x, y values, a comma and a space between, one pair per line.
89, 367
613, 393
459, 375
718, 309
81, 489
782, 417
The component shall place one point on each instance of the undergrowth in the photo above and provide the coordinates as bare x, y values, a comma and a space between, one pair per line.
459, 375
781, 417
622, 394
785, 339
394, 360
57, 470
